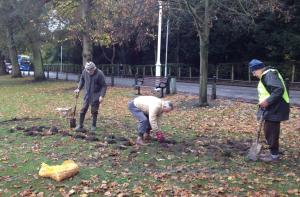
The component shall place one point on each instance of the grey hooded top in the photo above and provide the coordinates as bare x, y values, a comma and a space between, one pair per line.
94, 85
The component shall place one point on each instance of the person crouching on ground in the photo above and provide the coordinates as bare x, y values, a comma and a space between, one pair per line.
148, 110
274, 105
93, 81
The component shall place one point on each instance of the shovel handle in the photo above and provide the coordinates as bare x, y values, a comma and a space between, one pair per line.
261, 122
76, 98
259, 130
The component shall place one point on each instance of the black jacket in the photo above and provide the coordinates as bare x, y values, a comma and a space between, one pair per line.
278, 109
94, 85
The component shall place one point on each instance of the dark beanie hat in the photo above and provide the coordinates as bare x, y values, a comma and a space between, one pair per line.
255, 64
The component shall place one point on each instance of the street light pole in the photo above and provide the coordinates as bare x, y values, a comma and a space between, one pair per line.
167, 41
61, 53
158, 64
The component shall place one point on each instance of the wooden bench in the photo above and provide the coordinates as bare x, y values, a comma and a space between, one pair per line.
159, 83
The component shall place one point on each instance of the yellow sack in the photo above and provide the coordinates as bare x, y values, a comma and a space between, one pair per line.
59, 172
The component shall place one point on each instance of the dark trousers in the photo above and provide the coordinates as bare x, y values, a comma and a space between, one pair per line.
94, 108
272, 131
94, 112
144, 124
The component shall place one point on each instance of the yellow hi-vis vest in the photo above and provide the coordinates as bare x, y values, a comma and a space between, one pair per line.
263, 93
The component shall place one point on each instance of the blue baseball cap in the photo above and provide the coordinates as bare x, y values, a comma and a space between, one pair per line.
255, 64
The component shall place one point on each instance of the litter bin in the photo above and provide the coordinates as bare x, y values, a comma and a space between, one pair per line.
173, 85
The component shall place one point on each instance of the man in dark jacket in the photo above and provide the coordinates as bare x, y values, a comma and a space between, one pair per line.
93, 81
274, 105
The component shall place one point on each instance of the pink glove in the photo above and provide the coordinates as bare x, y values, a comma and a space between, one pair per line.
160, 136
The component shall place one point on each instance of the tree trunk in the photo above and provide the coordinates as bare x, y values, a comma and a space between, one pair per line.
203, 72
87, 46
37, 61
113, 54
13, 55
203, 32
177, 42
112, 58
2, 65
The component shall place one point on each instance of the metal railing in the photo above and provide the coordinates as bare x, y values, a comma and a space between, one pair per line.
229, 72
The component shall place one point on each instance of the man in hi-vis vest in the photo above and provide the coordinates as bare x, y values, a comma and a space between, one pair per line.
274, 105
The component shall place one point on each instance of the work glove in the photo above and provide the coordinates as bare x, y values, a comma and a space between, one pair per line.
76, 91
100, 99
160, 136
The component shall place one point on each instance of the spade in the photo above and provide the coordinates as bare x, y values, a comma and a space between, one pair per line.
256, 146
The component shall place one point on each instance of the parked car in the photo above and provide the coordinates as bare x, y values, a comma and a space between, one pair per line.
24, 62
8, 66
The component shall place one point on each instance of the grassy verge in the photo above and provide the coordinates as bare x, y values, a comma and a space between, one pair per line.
207, 156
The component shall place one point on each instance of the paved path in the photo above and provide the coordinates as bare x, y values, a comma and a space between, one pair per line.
233, 92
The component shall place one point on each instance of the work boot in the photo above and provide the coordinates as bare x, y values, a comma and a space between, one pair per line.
140, 141
94, 122
264, 154
269, 158
147, 136
79, 128
93, 128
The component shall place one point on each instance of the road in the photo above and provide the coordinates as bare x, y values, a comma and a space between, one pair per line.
224, 91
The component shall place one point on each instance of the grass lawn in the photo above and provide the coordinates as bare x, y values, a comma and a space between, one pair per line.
205, 156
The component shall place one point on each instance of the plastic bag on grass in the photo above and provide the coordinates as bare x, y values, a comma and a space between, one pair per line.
59, 172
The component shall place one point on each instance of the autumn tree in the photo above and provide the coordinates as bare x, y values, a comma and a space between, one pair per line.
76, 18
8, 24
123, 22
29, 27
34, 31
87, 45
107, 23
204, 12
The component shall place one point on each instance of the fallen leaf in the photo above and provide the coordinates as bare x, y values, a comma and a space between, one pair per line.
26, 193
40, 194
63, 192
137, 190
71, 192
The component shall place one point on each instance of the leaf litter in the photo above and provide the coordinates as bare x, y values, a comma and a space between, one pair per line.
206, 145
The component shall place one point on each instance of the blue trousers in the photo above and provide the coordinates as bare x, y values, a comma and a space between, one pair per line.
144, 124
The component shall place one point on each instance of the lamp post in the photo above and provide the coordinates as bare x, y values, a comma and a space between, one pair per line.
61, 48
61, 53
167, 41
158, 64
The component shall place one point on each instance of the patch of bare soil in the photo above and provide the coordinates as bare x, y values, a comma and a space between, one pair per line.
211, 146
221, 148
25, 119
121, 142
217, 147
